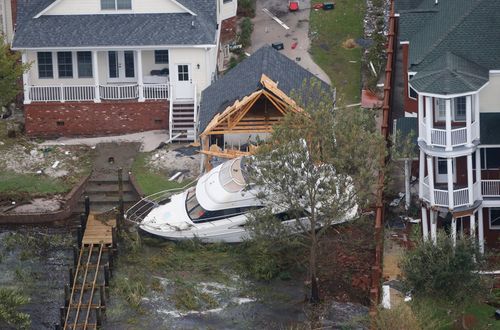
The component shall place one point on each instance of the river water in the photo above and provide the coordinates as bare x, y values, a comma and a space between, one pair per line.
36, 260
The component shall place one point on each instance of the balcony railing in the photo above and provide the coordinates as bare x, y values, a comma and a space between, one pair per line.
441, 196
64, 93
439, 136
490, 188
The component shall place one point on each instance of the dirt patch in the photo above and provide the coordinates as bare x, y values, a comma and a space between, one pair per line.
346, 257
39, 205
349, 44
183, 159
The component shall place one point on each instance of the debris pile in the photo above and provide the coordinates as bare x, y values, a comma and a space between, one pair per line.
183, 159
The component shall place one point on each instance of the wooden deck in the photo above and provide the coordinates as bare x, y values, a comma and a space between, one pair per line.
99, 229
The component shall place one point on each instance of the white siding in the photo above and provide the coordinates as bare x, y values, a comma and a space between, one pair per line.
192, 56
6, 18
489, 97
79, 7
228, 9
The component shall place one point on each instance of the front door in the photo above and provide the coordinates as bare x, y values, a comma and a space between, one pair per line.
183, 82
121, 66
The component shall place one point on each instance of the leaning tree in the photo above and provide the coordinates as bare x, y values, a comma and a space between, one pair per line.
320, 165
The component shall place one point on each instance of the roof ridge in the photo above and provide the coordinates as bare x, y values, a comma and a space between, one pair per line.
452, 28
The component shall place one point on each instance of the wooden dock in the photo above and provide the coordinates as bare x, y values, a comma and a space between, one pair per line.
85, 297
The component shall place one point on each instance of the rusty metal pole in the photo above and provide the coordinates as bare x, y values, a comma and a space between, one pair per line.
66, 295
79, 236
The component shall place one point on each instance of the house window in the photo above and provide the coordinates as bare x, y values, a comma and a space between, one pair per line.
129, 63
84, 60
116, 4
460, 108
412, 94
440, 109
442, 167
183, 72
113, 64
45, 67
495, 218
65, 64
161, 56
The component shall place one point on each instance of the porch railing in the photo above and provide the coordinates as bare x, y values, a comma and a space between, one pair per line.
441, 197
65, 93
438, 136
490, 188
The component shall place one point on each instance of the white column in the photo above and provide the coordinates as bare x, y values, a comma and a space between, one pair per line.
454, 231
428, 118
433, 227
470, 183
26, 82
421, 174
480, 229
407, 183
448, 124
140, 76
430, 173
478, 174
468, 119
420, 117
95, 73
473, 225
425, 228
476, 110
449, 163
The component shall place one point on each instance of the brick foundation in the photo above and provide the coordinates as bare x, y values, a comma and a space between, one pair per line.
93, 119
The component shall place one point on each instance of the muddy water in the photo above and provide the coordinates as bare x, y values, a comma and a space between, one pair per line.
40, 269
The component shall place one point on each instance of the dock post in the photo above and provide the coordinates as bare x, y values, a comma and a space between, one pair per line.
120, 200
76, 252
101, 294
71, 277
62, 316
66, 295
57, 327
87, 206
113, 237
110, 259
83, 221
98, 317
106, 275
79, 235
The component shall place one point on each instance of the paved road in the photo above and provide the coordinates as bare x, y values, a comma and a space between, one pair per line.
268, 31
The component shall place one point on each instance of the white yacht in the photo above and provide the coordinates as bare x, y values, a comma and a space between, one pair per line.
215, 210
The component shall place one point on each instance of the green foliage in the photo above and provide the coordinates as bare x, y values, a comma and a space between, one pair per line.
15, 185
409, 317
11, 71
151, 181
444, 272
10, 301
131, 289
245, 37
187, 297
246, 8
329, 29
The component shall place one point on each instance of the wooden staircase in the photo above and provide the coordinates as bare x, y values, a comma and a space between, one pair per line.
183, 121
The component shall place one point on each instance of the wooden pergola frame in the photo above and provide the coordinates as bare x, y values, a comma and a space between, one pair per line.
234, 119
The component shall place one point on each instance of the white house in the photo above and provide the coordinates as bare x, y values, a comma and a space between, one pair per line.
117, 66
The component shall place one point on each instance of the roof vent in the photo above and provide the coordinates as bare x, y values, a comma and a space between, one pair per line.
192, 24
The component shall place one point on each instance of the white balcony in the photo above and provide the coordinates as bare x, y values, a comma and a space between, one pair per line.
83, 93
490, 188
440, 197
457, 136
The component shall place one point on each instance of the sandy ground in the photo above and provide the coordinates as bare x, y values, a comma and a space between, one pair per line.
268, 31
149, 140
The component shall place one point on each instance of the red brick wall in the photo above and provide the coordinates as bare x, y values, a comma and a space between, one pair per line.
91, 119
410, 105
490, 235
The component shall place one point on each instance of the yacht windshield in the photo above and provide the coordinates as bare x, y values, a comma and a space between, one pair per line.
198, 214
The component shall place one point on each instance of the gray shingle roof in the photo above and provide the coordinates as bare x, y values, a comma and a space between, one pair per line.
244, 79
450, 74
114, 29
467, 28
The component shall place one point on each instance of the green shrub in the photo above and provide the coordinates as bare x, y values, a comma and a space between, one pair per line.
10, 301
246, 27
442, 271
246, 8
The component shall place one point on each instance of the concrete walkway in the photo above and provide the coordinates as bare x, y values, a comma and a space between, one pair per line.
267, 31
149, 140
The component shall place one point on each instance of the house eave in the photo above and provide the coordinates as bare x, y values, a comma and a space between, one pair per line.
147, 47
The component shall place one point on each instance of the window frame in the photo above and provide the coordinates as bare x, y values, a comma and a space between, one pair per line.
64, 67
437, 109
494, 227
183, 73
410, 89
455, 108
51, 64
116, 5
157, 55
78, 62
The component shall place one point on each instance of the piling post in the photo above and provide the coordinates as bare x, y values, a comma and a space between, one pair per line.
83, 220
113, 237
120, 200
66, 295
98, 317
57, 327
106, 275
110, 259
62, 316
87, 205
79, 235
76, 253
71, 277
101, 294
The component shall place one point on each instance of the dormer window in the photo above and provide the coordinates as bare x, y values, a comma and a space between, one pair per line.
116, 4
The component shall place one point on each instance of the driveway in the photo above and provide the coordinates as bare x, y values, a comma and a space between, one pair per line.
268, 31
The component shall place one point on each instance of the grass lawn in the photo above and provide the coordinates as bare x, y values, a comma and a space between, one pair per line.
149, 180
330, 29
14, 184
